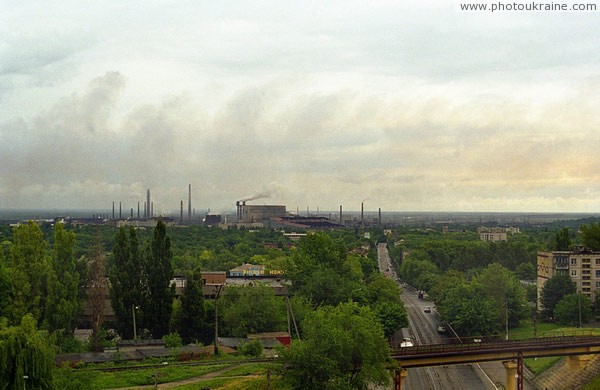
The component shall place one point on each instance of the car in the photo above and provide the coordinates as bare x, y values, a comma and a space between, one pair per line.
406, 342
441, 329
427, 309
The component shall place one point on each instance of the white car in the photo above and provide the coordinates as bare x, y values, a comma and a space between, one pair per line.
406, 342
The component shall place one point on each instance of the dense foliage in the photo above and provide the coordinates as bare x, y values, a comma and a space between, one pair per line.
342, 347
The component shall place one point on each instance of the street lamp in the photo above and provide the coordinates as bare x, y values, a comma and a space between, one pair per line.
133, 309
506, 317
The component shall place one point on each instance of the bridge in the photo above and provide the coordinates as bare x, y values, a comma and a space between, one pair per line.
511, 353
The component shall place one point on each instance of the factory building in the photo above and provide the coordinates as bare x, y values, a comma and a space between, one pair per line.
257, 213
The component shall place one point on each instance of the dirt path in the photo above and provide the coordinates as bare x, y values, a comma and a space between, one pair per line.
197, 379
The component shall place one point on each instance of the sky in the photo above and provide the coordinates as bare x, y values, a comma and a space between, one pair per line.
403, 105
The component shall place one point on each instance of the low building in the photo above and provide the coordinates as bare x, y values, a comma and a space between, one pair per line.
247, 270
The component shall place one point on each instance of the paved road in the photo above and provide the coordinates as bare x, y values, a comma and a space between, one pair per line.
423, 329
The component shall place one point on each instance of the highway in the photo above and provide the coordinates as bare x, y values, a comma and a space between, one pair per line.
423, 330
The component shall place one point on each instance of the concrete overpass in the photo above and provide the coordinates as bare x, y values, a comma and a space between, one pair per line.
511, 353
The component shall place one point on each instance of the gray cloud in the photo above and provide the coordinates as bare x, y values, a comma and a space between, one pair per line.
319, 104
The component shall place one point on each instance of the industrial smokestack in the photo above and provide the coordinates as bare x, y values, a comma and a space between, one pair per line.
113, 213
189, 203
148, 213
362, 212
145, 211
237, 211
120, 215
340, 214
380, 215
181, 214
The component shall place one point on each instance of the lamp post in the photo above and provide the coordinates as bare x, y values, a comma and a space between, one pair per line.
506, 317
217, 293
133, 309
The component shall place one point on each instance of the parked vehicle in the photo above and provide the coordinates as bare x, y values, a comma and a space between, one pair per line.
427, 309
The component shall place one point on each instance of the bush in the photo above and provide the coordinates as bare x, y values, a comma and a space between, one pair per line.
253, 348
173, 340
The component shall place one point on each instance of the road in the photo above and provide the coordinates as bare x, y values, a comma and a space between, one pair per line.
423, 330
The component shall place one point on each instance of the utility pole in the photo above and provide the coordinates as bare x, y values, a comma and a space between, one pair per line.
218, 292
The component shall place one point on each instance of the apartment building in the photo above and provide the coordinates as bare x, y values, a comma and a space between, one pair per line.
581, 264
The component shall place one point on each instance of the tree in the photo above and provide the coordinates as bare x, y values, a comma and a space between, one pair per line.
192, 321
97, 290
573, 309
470, 311
384, 298
158, 271
526, 271
417, 272
26, 356
553, 291
341, 347
63, 302
321, 270
127, 281
6, 289
501, 285
591, 236
30, 269
252, 309
562, 240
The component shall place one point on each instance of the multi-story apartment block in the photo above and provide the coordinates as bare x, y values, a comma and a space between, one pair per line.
496, 233
581, 264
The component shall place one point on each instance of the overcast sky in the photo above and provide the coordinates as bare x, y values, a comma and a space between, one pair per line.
404, 105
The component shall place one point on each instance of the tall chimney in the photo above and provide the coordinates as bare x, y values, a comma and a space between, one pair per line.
120, 215
189, 203
181, 214
148, 213
237, 211
138, 210
113, 213
362, 213
145, 211
341, 221
380, 216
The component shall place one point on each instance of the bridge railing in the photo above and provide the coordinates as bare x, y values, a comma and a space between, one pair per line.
479, 344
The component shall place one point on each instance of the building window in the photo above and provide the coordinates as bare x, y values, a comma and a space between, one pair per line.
573, 272
573, 261
597, 284
598, 273
586, 284
597, 261
585, 289
585, 260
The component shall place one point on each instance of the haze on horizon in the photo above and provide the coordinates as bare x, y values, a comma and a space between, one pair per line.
414, 106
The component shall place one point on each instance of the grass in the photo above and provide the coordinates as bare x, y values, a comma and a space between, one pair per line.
543, 329
593, 385
73, 379
248, 383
